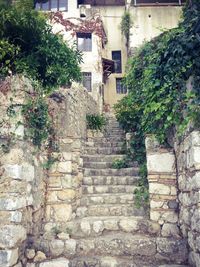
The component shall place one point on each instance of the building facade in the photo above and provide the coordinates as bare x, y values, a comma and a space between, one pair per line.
94, 26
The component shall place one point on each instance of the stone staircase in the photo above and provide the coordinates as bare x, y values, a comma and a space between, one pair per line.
109, 230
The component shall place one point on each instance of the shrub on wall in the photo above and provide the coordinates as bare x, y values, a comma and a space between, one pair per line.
159, 101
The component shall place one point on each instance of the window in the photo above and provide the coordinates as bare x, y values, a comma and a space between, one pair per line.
120, 87
116, 57
84, 41
87, 81
52, 5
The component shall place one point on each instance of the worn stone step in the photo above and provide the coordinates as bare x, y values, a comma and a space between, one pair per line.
120, 198
95, 226
133, 171
108, 139
108, 261
141, 247
103, 165
100, 158
109, 210
101, 189
105, 144
104, 151
110, 180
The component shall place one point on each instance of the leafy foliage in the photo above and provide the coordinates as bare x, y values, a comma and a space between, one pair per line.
119, 164
95, 122
159, 101
126, 25
41, 55
29, 47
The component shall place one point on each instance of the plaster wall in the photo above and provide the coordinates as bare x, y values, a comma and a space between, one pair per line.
91, 60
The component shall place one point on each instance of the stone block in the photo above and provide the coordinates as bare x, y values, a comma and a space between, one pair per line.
8, 257
170, 230
30, 253
194, 259
194, 158
159, 189
98, 227
12, 203
128, 225
85, 227
54, 182
64, 167
28, 172
16, 216
11, 235
14, 156
40, 256
56, 247
60, 262
59, 212
67, 194
164, 216
13, 171
161, 163
109, 262
70, 247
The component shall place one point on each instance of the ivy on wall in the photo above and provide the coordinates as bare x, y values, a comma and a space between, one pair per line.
159, 101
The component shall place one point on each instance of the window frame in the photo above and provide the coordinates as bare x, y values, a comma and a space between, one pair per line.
123, 89
117, 62
50, 4
83, 36
84, 82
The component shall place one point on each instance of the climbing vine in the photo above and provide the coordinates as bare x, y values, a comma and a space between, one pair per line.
159, 101
126, 24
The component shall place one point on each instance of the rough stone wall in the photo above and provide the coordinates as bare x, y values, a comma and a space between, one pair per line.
162, 187
35, 203
188, 165
65, 176
22, 178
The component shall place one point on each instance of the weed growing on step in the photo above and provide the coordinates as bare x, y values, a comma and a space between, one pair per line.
96, 122
119, 164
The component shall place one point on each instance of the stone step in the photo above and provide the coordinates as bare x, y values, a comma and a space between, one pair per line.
109, 210
100, 158
103, 151
102, 165
101, 189
110, 180
104, 144
133, 171
95, 226
108, 261
120, 198
108, 139
141, 247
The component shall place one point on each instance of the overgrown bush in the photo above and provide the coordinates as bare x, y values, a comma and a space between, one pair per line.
95, 122
158, 101
29, 47
41, 54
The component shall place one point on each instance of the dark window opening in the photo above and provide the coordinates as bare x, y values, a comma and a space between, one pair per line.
84, 41
87, 80
120, 87
52, 5
117, 58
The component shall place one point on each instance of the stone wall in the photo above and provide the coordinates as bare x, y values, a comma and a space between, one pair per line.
161, 167
36, 201
22, 179
174, 187
188, 165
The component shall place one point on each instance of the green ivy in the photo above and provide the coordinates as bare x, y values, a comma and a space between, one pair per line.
126, 25
158, 101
